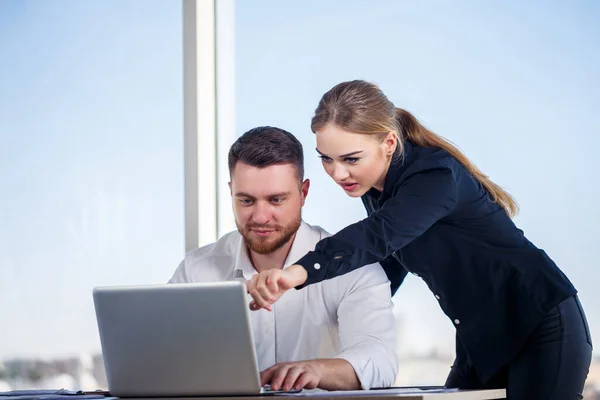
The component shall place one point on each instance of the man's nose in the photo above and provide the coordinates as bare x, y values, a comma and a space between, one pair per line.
339, 172
261, 214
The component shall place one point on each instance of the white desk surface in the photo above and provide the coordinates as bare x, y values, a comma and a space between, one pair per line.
367, 395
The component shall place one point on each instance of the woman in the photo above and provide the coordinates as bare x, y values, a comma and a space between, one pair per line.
519, 324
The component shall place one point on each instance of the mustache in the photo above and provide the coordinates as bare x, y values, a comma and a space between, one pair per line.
266, 226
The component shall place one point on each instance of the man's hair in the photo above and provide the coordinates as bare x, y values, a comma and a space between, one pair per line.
265, 146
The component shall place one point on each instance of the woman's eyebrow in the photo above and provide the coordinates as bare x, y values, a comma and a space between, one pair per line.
343, 155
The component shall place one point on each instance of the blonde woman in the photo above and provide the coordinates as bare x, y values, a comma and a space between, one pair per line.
519, 324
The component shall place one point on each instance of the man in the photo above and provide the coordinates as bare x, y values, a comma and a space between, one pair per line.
338, 334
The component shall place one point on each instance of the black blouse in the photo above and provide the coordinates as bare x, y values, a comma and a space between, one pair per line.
435, 220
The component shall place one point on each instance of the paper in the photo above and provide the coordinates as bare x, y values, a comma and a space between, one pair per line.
370, 393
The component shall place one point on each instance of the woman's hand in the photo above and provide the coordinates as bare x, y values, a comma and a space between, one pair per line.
268, 286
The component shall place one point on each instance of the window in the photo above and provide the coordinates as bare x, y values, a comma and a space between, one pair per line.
91, 170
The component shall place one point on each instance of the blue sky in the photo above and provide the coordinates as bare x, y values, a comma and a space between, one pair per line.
91, 158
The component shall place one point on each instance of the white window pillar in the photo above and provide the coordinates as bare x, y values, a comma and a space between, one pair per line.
226, 128
209, 117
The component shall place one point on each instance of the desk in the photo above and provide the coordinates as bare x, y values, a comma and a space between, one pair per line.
373, 395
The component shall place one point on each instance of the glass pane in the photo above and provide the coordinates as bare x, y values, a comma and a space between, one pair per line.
91, 171
513, 85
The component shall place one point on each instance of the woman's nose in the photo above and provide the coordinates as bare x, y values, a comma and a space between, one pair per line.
339, 172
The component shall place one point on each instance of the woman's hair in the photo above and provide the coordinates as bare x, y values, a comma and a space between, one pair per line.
361, 107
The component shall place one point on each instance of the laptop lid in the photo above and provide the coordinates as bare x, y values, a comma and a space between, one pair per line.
177, 339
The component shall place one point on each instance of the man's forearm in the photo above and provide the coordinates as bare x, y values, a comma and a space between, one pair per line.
337, 374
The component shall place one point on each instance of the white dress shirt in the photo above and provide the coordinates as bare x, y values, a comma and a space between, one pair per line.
348, 317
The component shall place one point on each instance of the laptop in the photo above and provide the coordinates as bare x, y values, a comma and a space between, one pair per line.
177, 340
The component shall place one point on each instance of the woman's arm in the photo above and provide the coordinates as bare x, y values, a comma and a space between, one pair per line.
417, 203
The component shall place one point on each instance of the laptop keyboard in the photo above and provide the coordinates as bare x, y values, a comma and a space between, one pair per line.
267, 390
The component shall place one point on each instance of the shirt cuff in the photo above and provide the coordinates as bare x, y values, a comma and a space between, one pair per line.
316, 268
362, 365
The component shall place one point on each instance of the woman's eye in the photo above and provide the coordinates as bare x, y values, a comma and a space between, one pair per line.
325, 159
351, 160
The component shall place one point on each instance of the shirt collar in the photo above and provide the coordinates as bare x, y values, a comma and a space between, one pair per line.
397, 167
243, 266
302, 244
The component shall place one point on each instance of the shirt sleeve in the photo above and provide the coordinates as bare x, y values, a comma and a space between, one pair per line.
180, 275
416, 204
367, 327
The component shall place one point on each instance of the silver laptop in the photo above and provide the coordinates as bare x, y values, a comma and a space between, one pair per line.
192, 339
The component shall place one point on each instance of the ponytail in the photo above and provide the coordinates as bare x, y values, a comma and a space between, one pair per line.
413, 131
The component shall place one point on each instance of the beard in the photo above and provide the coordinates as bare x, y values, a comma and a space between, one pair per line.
281, 235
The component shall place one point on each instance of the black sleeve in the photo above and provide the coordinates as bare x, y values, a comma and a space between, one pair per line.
395, 272
418, 202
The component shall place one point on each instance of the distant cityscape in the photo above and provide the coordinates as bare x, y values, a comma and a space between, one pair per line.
87, 373
74, 373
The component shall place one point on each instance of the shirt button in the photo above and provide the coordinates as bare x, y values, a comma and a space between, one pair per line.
317, 266
457, 321
415, 274
437, 296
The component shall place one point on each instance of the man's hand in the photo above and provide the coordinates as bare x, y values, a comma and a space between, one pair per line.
322, 373
293, 375
268, 286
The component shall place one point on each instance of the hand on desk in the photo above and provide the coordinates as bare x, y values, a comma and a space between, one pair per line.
328, 374
292, 375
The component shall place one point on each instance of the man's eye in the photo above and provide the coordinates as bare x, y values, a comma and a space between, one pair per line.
351, 160
325, 159
246, 202
276, 200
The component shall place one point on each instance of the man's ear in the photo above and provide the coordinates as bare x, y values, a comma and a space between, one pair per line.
304, 190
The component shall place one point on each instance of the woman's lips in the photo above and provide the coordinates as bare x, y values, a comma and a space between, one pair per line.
348, 187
